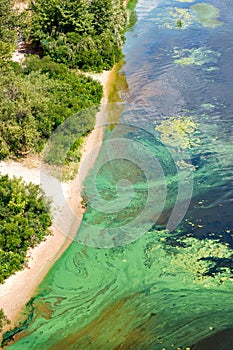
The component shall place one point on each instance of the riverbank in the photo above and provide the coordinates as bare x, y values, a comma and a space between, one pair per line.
66, 208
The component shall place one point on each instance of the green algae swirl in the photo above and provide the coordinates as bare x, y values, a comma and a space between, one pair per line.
151, 292
130, 292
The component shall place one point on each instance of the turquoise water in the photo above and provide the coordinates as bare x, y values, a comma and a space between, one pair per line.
151, 267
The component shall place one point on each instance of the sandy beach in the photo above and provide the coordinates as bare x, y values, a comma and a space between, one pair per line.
67, 214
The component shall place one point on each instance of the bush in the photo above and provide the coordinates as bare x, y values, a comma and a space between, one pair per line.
3, 320
8, 31
24, 222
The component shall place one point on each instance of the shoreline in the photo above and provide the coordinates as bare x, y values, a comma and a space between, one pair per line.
20, 287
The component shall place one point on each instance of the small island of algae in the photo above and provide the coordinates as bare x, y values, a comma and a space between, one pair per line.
207, 15
174, 15
202, 13
200, 257
178, 132
198, 57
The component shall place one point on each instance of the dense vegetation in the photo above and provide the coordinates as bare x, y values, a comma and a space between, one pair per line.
87, 34
24, 222
8, 32
38, 98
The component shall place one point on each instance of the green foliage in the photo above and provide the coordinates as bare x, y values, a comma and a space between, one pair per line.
5, 53
8, 20
85, 34
39, 99
24, 222
64, 143
3, 320
8, 32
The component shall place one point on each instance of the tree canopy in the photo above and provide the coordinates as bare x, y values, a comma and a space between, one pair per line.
87, 34
38, 98
8, 30
24, 222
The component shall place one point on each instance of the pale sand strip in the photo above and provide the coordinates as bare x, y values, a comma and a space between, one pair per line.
67, 212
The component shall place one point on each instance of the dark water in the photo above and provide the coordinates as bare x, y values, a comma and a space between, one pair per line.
145, 272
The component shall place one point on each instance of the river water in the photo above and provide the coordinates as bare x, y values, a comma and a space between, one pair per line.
152, 265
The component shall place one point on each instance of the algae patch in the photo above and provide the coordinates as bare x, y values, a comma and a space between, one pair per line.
207, 15
173, 15
204, 13
196, 57
178, 132
199, 257
207, 106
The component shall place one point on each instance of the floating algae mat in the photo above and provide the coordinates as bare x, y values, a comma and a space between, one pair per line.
178, 132
182, 18
162, 289
207, 106
146, 288
207, 15
171, 17
199, 57
200, 257
151, 292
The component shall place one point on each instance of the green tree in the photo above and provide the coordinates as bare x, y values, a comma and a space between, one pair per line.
8, 20
38, 100
24, 222
8, 31
74, 32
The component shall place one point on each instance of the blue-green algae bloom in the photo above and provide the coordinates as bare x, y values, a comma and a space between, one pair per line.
207, 106
207, 15
181, 18
198, 57
174, 15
